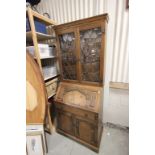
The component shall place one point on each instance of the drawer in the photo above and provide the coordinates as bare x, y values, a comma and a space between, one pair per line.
51, 87
78, 112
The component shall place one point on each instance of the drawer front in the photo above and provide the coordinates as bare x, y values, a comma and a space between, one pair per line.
51, 88
79, 112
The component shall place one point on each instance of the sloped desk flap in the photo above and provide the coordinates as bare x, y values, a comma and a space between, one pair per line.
81, 96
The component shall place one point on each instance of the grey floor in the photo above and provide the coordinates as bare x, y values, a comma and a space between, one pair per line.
114, 142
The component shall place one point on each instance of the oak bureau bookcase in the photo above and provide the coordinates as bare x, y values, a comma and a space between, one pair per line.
79, 98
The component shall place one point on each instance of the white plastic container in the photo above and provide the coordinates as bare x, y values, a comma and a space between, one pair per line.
44, 50
49, 71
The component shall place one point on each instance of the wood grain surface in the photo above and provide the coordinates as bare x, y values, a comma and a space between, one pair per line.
36, 93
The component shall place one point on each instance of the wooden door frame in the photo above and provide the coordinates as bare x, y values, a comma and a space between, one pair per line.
83, 24
58, 33
94, 24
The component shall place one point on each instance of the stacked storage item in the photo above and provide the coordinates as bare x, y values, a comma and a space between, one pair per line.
49, 71
48, 65
44, 50
39, 26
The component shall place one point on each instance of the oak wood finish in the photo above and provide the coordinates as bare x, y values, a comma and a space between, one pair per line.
79, 113
48, 125
76, 27
79, 103
51, 87
35, 113
103, 17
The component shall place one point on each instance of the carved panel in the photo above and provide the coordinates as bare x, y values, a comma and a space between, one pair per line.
78, 96
81, 128
65, 122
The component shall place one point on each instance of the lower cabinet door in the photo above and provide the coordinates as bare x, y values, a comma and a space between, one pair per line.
65, 122
86, 131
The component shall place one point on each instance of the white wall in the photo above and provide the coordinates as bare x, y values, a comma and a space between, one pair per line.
62, 11
117, 110
119, 59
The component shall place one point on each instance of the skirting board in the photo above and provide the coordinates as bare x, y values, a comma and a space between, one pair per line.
119, 85
116, 126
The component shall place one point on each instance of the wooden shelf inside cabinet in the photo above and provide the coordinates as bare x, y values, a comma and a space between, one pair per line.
51, 96
40, 36
50, 77
48, 57
86, 45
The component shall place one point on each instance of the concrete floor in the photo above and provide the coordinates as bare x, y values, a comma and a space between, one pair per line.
114, 142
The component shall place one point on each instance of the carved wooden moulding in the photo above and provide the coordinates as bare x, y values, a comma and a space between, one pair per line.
85, 97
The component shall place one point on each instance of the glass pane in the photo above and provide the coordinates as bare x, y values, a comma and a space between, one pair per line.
90, 54
68, 56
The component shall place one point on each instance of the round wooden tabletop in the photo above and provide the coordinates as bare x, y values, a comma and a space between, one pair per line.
36, 95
